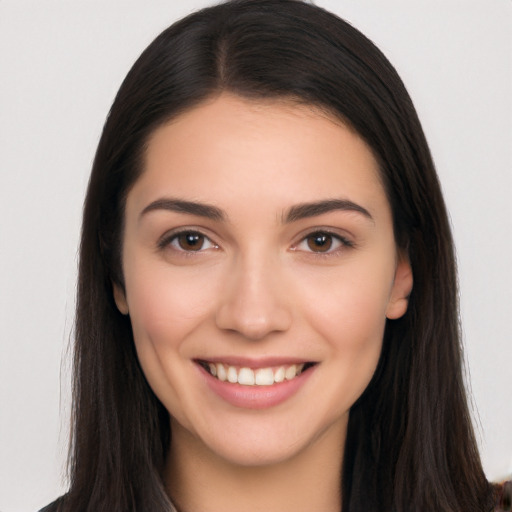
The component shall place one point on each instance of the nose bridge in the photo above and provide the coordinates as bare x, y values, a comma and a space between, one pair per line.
253, 300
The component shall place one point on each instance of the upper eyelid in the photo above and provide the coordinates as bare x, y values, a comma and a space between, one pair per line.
345, 238
170, 235
338, 233
344, 241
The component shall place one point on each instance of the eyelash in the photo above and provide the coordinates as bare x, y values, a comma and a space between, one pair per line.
342, 242
173, 238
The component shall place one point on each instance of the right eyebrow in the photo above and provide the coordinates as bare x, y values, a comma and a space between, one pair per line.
306, 210
190, 207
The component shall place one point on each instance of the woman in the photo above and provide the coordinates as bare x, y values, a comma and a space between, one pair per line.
267, 310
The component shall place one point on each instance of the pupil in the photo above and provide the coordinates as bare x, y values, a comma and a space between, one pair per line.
320, 242
191, 241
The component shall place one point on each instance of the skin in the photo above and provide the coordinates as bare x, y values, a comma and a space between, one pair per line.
257, 287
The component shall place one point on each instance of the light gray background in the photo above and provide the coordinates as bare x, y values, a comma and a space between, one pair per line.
60, 65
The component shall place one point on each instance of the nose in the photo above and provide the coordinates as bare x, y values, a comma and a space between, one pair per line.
254, 301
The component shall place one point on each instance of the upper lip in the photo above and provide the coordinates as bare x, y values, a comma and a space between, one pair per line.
247, 362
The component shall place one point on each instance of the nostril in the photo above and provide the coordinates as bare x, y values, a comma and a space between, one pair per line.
253, 302
253, 319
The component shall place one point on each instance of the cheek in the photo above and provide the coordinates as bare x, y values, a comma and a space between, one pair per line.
165, 310
349, 306
350, 315
166, 306
354, 333
354, 326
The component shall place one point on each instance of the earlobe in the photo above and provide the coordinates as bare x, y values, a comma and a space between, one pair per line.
120, 298
402, 287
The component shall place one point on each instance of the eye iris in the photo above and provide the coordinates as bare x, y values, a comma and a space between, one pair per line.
191, 241
320, 242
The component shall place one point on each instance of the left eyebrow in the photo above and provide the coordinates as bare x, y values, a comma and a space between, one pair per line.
306, 210
187, 207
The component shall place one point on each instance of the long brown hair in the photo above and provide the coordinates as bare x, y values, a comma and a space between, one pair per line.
410, 443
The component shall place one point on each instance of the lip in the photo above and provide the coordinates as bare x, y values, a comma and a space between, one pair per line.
253, 363
255, 397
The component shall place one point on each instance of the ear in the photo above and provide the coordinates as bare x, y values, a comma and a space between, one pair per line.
120, 298
402, 287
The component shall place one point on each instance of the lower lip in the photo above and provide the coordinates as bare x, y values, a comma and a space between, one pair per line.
256, 397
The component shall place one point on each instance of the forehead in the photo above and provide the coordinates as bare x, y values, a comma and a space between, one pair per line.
230, 147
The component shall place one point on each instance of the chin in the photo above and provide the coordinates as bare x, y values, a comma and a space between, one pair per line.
256, 455
252, 442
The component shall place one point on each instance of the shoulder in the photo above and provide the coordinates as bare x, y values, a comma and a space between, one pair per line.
504, 497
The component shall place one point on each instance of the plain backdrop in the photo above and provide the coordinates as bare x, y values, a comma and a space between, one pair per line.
61, 63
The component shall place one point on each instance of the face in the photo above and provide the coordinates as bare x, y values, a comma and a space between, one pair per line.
260, 267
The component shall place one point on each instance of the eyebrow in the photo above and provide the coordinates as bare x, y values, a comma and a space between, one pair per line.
306, 210
295, 213
190, 207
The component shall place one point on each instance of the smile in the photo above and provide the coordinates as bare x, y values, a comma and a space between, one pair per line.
254, 377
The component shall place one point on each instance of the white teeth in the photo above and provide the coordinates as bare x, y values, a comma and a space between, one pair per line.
246, 377
290, 372
264, 377
221, 372
232, 375
279, 374
249, 377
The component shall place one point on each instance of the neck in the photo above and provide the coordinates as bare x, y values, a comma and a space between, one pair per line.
198, 480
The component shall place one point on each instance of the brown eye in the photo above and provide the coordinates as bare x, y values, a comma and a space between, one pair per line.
320, 242
190, 241
323, 243
187, 241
